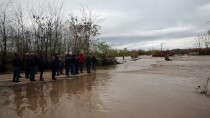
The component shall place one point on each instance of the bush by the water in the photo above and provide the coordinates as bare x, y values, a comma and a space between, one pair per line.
107, 61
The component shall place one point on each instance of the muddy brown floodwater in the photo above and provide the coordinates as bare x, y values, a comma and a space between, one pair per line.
147, 88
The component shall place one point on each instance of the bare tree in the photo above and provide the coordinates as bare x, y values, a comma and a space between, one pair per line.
21, 40
5, 21
58, 25
202, 40
198, 41
84, 31
206, 40
48, 28
39, 27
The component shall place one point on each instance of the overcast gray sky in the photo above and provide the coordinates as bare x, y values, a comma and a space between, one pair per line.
144, 24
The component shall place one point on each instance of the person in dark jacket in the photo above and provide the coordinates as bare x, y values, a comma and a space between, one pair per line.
88, 63
67, 63
16, 68
41, 66
32, 66
72, 64
61, 59
26, 65
93, 63
76, 65
55, 65
36, 59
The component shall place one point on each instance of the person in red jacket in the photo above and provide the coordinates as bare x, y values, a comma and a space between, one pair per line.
81, 62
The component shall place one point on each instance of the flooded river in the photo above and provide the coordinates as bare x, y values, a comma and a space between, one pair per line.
146, 88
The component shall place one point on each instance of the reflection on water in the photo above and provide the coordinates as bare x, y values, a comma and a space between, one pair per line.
18, 100
109, 93
54, 99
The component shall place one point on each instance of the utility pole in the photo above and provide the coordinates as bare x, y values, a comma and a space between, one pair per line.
161, 47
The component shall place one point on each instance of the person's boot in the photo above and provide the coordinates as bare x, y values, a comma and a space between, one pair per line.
13, 80
18, 81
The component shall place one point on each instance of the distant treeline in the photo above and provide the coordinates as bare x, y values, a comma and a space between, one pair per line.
200, 51
135, 53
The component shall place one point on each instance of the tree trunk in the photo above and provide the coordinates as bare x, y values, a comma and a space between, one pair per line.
5, 46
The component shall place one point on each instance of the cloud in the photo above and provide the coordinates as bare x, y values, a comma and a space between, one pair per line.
155, 44
158, 21
151, 32
205, 7
149, 22
148, 36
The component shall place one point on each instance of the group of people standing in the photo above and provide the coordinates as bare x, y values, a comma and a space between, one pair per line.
73, 64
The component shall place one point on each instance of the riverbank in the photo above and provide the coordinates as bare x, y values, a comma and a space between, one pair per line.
6, 79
